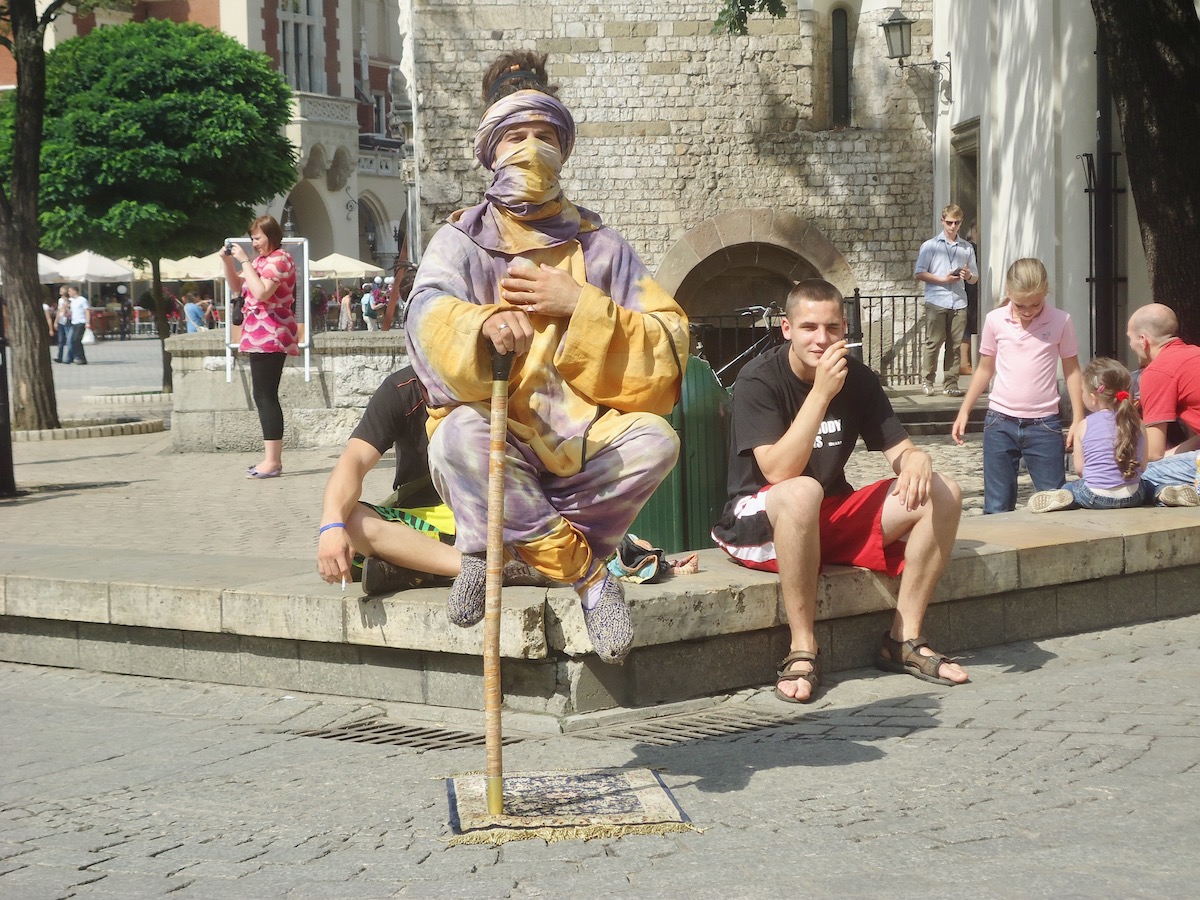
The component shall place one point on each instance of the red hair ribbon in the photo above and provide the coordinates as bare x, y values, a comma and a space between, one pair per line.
1122, 396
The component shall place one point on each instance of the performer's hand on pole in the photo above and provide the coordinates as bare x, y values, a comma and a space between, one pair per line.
509, 331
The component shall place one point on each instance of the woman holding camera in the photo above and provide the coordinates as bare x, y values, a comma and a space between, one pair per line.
269, 334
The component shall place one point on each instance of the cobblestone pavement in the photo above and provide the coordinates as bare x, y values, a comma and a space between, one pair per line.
1068, 768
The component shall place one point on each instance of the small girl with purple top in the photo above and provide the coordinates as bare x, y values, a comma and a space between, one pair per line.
1110, 447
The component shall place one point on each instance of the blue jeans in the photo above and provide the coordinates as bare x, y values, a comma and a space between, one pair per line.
1005, 441
1177, 469
64, 338
1086, 498
75, 347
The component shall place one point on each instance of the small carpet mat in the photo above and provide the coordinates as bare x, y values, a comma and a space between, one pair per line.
561, 806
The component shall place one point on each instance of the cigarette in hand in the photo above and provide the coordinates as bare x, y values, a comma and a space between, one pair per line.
343, 584
855, 344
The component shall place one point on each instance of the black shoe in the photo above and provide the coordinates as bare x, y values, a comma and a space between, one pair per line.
518, 573
81, 362
382, 577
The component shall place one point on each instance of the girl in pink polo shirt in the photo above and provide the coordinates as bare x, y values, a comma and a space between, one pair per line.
1021, 343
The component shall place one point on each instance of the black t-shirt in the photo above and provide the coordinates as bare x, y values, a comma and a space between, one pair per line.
396, 416
768, 394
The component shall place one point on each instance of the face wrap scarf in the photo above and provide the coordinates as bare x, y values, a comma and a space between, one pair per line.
525, 208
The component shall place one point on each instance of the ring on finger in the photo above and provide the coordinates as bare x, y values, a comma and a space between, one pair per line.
503, 325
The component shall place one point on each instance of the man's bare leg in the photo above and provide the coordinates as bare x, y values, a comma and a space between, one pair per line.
794, 507
931, 530
400, 544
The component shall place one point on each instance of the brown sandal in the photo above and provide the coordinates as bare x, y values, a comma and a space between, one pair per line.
907, 658
813, 677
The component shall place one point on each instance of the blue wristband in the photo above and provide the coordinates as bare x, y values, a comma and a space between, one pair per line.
325, 528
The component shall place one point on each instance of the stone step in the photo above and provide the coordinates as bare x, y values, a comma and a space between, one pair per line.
244, 620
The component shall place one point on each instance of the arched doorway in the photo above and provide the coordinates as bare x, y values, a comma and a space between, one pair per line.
762, 249
743, 258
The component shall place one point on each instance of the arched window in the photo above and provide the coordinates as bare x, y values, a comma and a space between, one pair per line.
840, 21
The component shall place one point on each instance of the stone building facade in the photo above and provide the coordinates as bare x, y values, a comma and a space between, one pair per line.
718, 157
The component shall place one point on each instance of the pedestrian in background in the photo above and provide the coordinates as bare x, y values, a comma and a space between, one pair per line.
269, 333
944, 264
81, 318
62, 322
125, 312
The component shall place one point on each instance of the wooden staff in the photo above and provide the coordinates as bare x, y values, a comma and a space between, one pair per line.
501, 367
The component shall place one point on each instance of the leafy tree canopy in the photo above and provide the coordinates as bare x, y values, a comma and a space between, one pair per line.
734, 13
159, 138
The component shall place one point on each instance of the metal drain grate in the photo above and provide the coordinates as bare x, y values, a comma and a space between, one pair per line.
393, 734
690, 727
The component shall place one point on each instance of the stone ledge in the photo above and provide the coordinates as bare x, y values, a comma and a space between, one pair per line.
90, 428
1012, 577
993, 555
123, 399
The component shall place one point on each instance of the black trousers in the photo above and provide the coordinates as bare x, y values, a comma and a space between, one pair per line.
266, 370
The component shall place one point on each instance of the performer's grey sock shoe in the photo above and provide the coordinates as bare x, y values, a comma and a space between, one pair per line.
468, 594
608, 622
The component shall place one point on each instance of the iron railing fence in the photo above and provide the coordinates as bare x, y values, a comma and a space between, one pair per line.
890, 326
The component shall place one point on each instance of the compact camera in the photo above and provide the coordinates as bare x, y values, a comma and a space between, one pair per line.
229, 248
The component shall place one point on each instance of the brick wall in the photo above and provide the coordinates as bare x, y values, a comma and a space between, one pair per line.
677, 125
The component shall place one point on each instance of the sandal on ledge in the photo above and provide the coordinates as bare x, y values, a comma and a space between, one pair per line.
785, 674
906, 657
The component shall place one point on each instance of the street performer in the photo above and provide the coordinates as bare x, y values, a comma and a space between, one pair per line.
599, 350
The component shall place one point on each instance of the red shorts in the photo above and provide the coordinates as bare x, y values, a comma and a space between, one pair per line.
851, 531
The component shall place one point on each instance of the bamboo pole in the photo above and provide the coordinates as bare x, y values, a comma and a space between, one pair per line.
501, 367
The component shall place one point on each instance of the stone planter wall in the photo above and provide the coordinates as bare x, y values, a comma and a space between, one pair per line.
213, 414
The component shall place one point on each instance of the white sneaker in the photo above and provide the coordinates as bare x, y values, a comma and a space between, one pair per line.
1051, 501
1179, 495
929, 390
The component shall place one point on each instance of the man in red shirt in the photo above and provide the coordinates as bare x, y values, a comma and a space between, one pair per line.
1170, 392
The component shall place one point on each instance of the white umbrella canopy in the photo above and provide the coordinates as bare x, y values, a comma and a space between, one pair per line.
141, 272
337, 265
178, 269
188, 268
89, 266
47, 266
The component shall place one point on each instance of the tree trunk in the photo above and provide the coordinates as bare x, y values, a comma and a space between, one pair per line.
1152, 49
32, 381
161, 325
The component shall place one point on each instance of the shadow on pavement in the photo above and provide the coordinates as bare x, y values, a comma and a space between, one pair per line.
817, 739
39, 492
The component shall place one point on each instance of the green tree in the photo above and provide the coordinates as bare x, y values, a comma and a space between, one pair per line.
160, 137
23, 34
733, 14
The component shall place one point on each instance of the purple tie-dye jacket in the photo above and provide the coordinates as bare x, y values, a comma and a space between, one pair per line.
622, 350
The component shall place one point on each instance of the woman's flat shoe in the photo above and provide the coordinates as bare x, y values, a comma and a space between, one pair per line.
254, 473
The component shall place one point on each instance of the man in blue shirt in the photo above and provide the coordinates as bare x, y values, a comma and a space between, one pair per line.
944, 265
